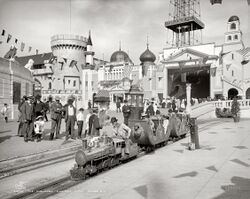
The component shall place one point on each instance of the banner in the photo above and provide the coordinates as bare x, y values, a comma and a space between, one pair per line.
16, 41
3, 32
30, 48
9, 38
22, 46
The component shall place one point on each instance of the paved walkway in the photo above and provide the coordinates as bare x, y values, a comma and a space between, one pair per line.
219, 170
12, 146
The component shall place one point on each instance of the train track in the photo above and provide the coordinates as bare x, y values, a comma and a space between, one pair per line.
61, 184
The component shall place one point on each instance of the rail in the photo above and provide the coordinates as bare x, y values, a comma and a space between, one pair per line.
228, 103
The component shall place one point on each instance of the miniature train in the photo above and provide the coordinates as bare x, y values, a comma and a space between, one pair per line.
147, 134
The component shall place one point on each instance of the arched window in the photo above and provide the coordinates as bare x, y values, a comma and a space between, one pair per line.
50, 85
235, 37
229, 38
233, 26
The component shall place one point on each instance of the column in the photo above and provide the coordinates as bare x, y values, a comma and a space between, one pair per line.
90, 85
165, 82
188, 94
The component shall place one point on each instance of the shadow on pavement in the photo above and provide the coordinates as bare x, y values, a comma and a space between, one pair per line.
189, 174
3, 138
239, 189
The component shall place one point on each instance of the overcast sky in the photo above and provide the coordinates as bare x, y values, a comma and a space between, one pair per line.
35, 21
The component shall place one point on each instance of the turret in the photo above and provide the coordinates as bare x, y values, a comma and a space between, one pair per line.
89, 53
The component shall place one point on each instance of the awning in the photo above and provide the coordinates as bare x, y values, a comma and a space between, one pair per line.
102, 96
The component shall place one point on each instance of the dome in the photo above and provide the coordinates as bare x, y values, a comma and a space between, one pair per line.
119, 56
233, 18
147, 56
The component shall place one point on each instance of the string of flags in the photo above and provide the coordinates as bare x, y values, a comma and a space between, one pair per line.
16, 42
61, 60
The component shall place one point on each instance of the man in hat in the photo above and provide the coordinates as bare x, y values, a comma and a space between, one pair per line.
56, 117
28, 118
122, 131
20, 132
126, 111
70, 117
94, 124
150, 110
39, 106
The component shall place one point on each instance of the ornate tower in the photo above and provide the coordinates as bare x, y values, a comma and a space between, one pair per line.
185, 23
233, 35
89, 53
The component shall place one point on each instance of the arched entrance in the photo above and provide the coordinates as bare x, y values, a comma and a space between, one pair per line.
232, 92
248, 93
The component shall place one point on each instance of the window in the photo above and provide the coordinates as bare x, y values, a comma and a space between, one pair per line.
16, 92
1, 87
50, 85
74, 83
235, 37
232, 73
68, 81
229, 38
233, 26
232, 56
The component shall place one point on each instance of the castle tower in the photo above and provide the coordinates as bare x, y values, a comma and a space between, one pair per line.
185, 22
233, 36
67, 70
89, 53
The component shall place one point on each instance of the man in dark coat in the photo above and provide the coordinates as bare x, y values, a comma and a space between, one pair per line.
39, 106
20, 132
28, 118
150, 110
118, 106
94, 124
70, 117
126, 112
56, 117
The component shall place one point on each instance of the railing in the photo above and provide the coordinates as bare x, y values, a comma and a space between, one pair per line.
228, 103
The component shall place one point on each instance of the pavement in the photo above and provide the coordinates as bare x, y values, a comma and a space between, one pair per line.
220, 169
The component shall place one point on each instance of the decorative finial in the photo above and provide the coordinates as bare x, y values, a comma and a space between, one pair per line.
147, 41
120, 45
89, 33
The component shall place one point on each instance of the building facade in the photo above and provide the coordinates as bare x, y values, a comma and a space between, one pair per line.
15, 81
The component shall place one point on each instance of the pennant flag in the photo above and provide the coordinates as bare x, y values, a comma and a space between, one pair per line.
127, 71
216, 2
16, 41
36, 52
248, 2
22, 46
72, 63
228, 66
52, 59
3, 32
30, 48
65, 60
9, 38
11, 53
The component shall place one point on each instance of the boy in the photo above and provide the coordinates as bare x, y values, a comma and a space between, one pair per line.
4, 112
80, 119
39, 127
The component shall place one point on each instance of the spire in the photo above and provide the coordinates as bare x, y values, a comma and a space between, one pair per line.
89, 39
120, 45
147, 42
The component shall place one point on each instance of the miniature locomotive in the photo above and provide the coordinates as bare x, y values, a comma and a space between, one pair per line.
146, 133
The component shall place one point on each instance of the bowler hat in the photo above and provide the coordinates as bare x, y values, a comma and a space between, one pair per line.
125, 101
38, 96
